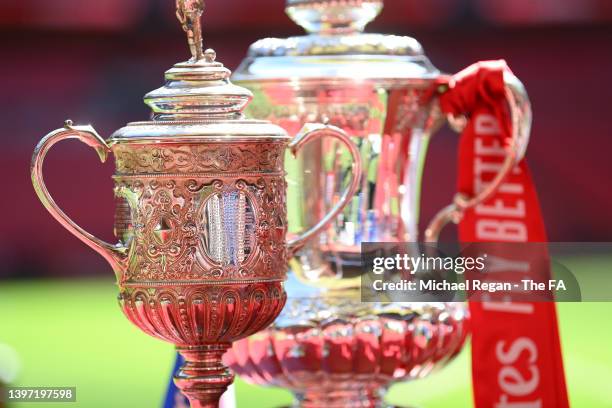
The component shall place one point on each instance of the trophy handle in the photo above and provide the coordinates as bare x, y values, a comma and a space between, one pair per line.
114, 254
521, 116
312, 132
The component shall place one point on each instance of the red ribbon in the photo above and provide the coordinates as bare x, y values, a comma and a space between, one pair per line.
516, 352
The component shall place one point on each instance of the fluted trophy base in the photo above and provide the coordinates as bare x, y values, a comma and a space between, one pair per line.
203, 378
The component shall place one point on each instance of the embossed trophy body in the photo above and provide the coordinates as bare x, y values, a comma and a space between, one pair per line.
201, 214
326, 346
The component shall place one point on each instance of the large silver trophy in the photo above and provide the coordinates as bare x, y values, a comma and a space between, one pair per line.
327, 347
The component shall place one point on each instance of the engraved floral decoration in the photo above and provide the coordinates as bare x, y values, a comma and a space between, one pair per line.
170, 232
200, 158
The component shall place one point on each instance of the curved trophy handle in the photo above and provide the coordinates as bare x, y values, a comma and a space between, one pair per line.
520, 111
114, 254
312, 132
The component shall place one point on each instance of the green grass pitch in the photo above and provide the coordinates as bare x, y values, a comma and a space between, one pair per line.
72, 333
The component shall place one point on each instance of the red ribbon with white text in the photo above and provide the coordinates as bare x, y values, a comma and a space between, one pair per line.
516, 352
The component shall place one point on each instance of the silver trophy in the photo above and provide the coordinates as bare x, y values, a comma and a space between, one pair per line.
329, 348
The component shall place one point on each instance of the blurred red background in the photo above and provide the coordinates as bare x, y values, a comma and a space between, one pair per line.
92, 61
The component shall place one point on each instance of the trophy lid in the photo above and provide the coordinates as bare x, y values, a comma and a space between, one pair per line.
198, 98
198, 89
336, 47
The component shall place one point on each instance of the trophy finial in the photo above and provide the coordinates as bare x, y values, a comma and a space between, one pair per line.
333, 16
199, 88
189, 14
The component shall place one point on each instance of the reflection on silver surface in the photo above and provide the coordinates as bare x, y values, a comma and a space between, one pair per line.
228, 225
391, 129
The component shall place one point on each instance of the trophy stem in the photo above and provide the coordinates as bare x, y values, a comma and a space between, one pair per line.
203, 378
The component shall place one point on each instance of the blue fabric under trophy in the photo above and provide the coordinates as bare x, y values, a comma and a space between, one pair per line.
174, 398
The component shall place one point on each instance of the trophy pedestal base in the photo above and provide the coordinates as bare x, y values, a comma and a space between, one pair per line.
203, 378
